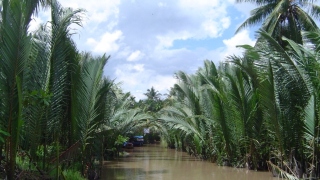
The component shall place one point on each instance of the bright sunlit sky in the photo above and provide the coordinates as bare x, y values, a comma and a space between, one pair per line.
150, 40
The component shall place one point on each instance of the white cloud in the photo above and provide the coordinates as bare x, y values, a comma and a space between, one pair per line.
213, 15
245, 8
148, 24
240, 38
146, 31
136, 78
41, 18
125, 75
163, 83
225, 22
166, 41
97, 10
191, 4
134, 56
138, 67
229, 48
215, 28
108, 43
35, 23
161, 4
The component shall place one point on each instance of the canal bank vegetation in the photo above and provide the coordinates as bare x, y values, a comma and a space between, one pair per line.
58, 112
59, 115
259, 110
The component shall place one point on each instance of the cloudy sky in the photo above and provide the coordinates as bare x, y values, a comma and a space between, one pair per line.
150, 40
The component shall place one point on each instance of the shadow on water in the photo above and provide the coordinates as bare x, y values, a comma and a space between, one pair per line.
132, 173
153, 162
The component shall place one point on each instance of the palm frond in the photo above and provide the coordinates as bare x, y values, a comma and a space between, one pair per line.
256, 16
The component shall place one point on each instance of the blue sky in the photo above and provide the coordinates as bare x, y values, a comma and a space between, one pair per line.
150, 40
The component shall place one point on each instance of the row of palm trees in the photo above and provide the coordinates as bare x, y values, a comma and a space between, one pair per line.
261, 109
56, 107
256, 110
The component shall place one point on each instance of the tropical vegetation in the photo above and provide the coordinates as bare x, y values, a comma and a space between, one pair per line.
59, 114
259, 110
58, 111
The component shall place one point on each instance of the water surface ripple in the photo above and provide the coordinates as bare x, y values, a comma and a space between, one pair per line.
153, 162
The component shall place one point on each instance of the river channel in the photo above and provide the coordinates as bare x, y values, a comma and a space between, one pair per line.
153, 162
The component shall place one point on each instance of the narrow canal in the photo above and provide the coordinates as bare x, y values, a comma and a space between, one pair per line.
153, 162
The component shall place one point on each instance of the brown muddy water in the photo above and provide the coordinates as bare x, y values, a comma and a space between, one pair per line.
154, 162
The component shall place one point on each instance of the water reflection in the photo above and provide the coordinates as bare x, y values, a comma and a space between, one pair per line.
152, 162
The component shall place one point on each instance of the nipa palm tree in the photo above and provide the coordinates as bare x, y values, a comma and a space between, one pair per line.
15, 50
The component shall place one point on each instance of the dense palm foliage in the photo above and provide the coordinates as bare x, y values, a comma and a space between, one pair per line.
55, 103
258, 110
283, 17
